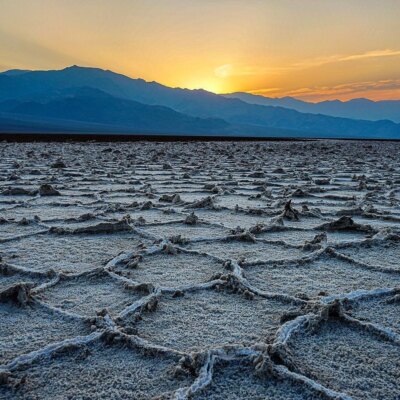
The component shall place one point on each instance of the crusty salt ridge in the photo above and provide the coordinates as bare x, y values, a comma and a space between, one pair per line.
200, 270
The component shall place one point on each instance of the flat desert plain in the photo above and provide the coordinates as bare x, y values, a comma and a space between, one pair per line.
188, 270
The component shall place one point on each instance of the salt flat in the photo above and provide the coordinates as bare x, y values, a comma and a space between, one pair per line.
177, 270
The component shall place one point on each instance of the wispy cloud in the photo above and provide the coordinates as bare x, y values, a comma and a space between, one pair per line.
319, 61
223, 71
373, 54
266, 90
371, 89
228, 70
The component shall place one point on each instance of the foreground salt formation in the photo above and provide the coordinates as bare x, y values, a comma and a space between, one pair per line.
200, 270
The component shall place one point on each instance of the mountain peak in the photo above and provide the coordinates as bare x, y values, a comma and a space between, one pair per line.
83, 69
361, 100
72, 67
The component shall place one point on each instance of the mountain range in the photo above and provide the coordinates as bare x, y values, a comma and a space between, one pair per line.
356, 108
79, 99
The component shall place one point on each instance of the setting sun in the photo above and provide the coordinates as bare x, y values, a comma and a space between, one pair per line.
211, 85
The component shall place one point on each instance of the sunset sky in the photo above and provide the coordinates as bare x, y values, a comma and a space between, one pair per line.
310, 49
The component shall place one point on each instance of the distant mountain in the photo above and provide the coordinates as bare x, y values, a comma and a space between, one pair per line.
355, 109
95, 96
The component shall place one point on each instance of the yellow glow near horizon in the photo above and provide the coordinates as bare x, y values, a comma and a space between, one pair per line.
314, 50
213, 85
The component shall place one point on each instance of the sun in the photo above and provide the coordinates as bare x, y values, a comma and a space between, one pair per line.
211, 85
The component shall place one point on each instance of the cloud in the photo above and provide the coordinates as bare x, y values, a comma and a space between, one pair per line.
319, 61
372, 54
227, 70
377, 90
223, 71
266, 90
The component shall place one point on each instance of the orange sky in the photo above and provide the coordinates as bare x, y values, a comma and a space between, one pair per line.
310, 49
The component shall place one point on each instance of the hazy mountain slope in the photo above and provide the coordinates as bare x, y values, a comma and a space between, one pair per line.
355, 109
94, 106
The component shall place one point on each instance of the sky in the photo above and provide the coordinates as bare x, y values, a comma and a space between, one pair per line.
310, 49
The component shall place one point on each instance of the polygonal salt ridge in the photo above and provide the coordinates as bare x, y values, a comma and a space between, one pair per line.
318, 242
254, 211
341, 353
27, 326
19, 294
307, 319
82, 218
305, 256
15, 230
182, 232
381, 253
387, 234
366, 209
276, 224
18, 191
191, 219
150, 302
147, 217
249, 250
365, 265
137, 371
44, 213
92, 293
290, 213
241, 234
171, 198
237, 283
69, 253
209, 315
240, 201
208, 202
10, 275
101, 228
377, 310
346, 223
320, 276
307, 222
168, 267
232, 218
226, 369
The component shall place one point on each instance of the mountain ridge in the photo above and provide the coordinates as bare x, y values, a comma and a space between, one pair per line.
359, 108
45, 88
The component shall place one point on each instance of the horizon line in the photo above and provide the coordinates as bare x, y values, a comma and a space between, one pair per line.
255, 92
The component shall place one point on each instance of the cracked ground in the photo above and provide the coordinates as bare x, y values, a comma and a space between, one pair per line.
216, 270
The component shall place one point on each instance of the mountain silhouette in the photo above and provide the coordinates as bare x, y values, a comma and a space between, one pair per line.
356, 109
115, 102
